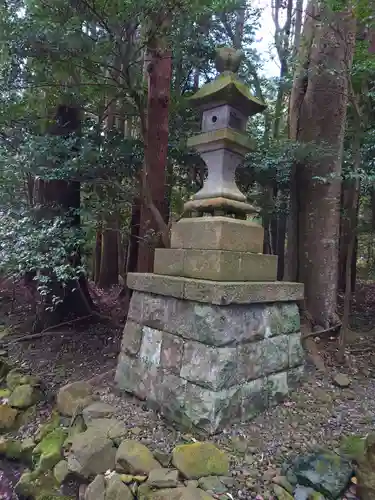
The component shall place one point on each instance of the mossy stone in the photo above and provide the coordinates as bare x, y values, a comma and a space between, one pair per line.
61, 471
353, 447
26, 417
5, 393
27, 447
24, 396
37, 486
48, 452
47, 427
7, 417
13, 449
200, 459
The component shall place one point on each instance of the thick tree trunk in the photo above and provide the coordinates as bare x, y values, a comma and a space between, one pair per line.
318, 114
109, 269
60, 198
156, 149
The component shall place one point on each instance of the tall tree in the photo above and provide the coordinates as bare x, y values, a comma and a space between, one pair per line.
318, 115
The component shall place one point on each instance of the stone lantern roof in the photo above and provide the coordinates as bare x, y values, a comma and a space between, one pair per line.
227, 88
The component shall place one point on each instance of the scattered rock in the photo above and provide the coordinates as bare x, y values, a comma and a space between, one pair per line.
163, 478
96, 489
197, 460
283, 482
366, 470
163, 458
73, 397
341, 380
50, 425
18, 377
117, 490
133, 457
24, 396
110, 427
281, 494
13, 449
192, 483
322, 471
173, 494
212, 484
136, 431
27, 447
91, 454
97, 410
7, 417
239, 444
61, 471
48, 452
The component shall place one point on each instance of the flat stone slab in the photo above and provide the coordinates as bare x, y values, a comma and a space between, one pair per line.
216, 292
220, 265
217, 233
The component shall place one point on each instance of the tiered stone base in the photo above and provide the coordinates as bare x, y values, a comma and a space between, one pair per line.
209, 353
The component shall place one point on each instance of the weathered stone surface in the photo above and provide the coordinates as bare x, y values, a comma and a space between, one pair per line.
341, 380
296, 352
277, 388
24, 396
217, 265
61, 471
282, 494
7, 417
144, 493
48, 452
163, 478
18, 377
73, 396
211, 367
117, 490
294, 377
109, 427
171, 353
48, 426
198, 460
97, 410
283, 318
215, 292
221, 233
212, 484
150, 350
132, 337
210, 410
135, 458
253, 399
91, 453
324, 472
96, 489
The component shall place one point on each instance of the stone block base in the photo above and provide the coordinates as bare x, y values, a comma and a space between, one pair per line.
206, 365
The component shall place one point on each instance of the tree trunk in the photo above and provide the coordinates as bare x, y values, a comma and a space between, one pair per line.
156, 149
109, 269
318, 114
97, 255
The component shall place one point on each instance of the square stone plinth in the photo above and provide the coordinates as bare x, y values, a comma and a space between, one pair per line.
218, 233
216, 292
220, 265
205, 366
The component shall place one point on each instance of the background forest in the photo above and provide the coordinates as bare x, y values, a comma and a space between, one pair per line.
94, 119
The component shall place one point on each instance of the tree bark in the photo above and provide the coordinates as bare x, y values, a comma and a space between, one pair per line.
318, 115
109, 269
97, 255
156, 149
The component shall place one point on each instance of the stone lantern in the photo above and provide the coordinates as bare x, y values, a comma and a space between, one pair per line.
211, 337
226, 104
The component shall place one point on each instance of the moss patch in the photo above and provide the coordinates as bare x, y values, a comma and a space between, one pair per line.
198, 460
49, 451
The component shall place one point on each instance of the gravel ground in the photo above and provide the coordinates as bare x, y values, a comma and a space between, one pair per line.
317, 415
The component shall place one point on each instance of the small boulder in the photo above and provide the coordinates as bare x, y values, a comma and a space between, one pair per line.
96, 489
48, 452
7, 417
212, 484
163, 458
180, 493
73, 396
117, 490
24, 396
18, 377
134, 458
97, 410
197, 460
281, 494
50, 425
91, 453
283, 482
4, 394
61, 471
14, 449
27, 447
110, 427
341, 380
163, 478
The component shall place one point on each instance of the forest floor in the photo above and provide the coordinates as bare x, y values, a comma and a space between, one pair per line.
318, 414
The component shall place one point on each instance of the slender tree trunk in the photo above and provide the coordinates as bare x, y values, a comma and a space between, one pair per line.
109, 269
97, 255
156, 149
318, 114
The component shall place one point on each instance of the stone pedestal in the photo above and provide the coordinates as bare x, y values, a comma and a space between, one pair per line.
208, 354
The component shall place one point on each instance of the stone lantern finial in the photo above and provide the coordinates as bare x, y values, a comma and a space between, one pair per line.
228, 59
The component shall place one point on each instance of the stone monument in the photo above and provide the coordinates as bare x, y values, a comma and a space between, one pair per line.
211, 337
